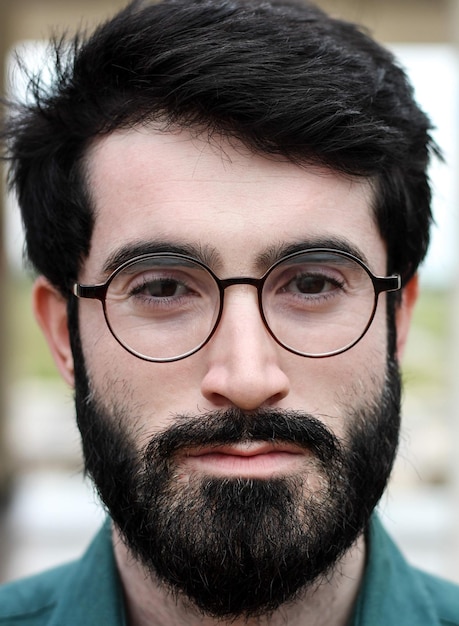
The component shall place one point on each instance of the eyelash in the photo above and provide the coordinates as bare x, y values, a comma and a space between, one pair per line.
138, 290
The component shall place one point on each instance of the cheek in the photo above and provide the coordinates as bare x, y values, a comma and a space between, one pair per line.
100, 349
363, 375
149, 393
334, 388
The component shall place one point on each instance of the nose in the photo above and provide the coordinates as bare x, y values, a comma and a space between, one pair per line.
243, 364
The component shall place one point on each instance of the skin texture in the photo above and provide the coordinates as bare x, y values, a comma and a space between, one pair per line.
239, 210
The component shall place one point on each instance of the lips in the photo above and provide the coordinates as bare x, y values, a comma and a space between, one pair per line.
251, 459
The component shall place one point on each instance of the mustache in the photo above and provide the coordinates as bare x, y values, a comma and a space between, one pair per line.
233, 426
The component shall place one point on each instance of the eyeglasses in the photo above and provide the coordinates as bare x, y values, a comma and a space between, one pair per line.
165, 307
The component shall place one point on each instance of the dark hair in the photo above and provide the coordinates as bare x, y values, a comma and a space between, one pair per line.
280, 75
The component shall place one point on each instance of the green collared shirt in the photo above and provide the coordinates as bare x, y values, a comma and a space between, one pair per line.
88, 592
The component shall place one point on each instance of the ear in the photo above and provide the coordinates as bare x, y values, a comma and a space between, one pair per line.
50, 309
404, 313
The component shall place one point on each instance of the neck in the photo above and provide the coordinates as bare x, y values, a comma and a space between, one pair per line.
330, 603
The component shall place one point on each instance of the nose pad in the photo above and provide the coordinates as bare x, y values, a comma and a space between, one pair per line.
243, 364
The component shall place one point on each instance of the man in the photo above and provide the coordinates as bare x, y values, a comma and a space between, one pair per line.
226, 204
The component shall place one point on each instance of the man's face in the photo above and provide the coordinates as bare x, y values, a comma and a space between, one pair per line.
243, 428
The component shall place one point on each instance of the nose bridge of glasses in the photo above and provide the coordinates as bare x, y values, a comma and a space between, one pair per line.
247, 311
240, 280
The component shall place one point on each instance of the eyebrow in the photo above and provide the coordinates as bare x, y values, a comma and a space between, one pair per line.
273, 253
210, 256
204, 253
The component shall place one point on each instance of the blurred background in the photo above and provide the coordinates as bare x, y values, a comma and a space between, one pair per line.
48, 513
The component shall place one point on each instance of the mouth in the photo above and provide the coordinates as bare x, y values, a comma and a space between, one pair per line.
249, 459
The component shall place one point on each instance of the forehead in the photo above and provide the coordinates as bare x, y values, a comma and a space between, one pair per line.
153, 190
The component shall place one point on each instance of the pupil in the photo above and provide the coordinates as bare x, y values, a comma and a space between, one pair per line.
310, 284
162, 288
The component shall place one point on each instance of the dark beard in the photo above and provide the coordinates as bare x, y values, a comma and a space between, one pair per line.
240, 547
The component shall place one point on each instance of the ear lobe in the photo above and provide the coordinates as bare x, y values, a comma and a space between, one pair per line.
404, 313
50, 309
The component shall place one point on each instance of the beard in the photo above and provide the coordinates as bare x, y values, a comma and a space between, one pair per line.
240, 547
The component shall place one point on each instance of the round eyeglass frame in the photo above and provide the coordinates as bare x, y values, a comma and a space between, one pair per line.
98, 291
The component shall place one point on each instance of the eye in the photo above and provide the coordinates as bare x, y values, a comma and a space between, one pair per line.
156, 286
312, 284
160, 288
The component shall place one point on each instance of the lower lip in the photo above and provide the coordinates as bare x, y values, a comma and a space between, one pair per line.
253, 466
